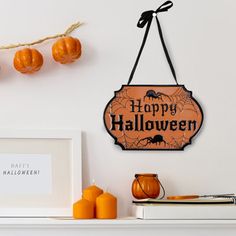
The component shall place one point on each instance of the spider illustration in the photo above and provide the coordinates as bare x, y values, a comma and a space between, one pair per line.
175, 143
151, 94
157, 139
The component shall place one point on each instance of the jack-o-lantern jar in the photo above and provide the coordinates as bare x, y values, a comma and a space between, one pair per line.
146, 186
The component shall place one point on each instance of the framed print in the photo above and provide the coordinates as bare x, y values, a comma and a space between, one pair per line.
40, 172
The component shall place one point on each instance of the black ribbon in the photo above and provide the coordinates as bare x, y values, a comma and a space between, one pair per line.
146, 19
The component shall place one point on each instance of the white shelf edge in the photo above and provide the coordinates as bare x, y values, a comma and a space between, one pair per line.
128, 222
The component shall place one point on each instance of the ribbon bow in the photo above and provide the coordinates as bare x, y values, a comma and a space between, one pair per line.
146, 19
148, 15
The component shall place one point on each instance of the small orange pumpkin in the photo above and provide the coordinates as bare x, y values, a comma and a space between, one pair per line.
28, 60
145, 186
66, 50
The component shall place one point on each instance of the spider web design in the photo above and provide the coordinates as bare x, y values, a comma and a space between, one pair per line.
183, 101
178, 143
142, 145
120, 101
127, 142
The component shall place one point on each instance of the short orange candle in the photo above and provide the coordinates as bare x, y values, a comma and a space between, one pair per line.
83, 209
91, 193
106, 206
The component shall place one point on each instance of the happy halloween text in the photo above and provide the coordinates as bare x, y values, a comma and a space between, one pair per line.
138, 123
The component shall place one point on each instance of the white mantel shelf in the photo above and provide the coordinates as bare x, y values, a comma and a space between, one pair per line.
128, 222
124, 226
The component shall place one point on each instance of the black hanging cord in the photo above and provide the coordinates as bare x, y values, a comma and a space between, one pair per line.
146, 19
162, 187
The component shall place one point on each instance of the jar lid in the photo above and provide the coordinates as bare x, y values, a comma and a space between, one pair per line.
145, 175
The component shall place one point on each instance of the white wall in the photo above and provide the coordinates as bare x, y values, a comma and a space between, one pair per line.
201, 38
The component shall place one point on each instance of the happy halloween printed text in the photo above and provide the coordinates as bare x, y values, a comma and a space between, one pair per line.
139, 123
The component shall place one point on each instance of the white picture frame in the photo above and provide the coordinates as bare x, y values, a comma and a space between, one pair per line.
64, 148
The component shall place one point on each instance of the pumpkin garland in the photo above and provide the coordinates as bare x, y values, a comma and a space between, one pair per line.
65, 50
28, 61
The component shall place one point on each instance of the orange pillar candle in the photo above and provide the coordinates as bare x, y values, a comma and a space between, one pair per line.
106, 206
91, 193
83, 209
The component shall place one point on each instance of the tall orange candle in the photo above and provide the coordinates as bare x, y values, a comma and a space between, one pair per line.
91, 193
83, 209
106, 206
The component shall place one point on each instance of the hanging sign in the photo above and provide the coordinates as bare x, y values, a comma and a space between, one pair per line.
153, 117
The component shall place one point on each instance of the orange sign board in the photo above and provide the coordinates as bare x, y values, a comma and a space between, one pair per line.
153, 117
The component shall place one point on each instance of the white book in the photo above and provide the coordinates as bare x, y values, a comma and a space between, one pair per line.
184, 211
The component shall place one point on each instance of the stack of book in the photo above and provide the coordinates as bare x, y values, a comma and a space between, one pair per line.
219, 208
